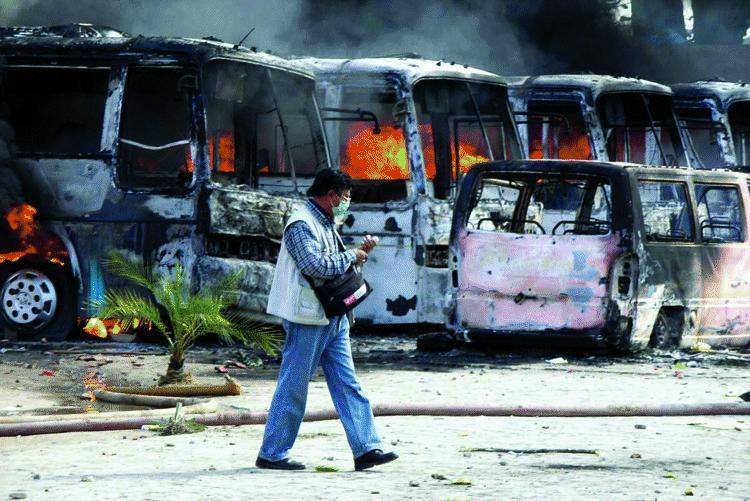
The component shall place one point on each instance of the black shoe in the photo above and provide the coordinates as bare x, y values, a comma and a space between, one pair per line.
373, 458
282, 464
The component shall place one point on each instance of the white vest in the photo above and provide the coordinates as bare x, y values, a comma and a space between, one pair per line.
291, 296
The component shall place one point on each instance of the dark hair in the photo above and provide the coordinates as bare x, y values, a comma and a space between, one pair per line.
327, 180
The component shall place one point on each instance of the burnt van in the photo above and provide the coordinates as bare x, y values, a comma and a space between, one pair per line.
176, 151
625, 255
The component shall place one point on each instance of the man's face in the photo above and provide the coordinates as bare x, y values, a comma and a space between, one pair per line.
336, 199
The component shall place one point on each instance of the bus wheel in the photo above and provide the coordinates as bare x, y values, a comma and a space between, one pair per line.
666, 332
37, 301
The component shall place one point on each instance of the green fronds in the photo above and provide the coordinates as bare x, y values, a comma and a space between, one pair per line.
127, 306
191, 315
223, 288
129, 269
266, 337
169, 291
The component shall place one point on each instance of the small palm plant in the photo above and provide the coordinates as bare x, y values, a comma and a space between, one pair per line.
181, 316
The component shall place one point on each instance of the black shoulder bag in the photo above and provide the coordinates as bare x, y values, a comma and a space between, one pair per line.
341, 294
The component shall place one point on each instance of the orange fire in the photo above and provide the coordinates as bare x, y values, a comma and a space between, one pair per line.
469, 155
375, 156
225, 142
103, 328
569, 148
32, 240
225, 162
383, 156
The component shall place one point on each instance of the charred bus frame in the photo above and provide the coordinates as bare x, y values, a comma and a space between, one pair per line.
597, 117
407, 129
177, 151
717, 116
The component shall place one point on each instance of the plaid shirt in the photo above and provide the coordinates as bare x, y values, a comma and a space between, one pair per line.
307, 252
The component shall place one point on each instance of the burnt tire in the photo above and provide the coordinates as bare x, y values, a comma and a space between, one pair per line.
618, 341
37, 300
666, 332
436, 342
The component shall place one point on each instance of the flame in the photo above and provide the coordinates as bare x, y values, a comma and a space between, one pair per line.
21, 220
95, 327
375, 156
225, 142
225, 163
383, 156
189, 165
103, 328
469, 155
32, 241
569, 147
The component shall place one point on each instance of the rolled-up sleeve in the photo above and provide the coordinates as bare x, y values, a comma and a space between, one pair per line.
308, 253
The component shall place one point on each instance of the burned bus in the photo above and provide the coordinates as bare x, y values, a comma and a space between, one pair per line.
176, 151
645, 256
717, 116
596, 117
407, 129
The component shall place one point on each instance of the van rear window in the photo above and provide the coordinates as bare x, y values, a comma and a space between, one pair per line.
666, 211
545, 206
56, 110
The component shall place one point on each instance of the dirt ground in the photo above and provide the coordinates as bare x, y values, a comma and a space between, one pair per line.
613, 458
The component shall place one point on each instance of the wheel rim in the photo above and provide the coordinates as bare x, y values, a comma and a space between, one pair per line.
29, 299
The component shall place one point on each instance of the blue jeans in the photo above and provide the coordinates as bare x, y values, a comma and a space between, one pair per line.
306, 347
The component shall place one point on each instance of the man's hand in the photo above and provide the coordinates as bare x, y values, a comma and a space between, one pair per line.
369, 243
361, 256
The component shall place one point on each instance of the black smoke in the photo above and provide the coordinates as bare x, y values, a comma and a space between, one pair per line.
11, 188
720, 22
504, 36
511, 37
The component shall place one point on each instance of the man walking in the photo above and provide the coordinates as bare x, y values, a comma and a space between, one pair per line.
312, 247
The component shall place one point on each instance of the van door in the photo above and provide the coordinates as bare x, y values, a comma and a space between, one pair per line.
532, 250
670, 264
725, 258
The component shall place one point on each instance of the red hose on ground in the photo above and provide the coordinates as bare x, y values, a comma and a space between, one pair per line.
242, 418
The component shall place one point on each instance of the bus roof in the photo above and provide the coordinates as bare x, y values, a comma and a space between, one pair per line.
595, 84
410, 68
725, 93
47, 47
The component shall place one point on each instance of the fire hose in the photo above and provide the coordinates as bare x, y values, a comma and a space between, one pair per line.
236, 418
